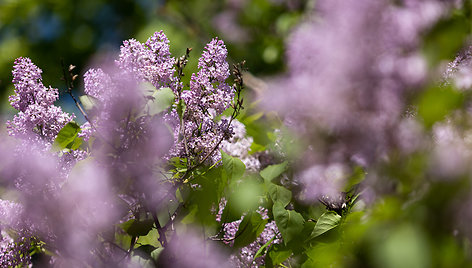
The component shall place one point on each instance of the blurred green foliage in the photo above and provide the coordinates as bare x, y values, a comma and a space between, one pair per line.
48, 31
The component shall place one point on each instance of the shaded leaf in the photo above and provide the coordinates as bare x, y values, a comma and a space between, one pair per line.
88, 102
289, 222
277, 254
137, 228
249, 229
280, 194
161, 100
144, 251
167, 211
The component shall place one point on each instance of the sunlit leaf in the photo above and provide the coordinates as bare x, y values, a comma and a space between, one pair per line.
273, 171
67, 137
326, 222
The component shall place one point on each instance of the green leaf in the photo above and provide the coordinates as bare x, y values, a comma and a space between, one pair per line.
262, 250
326, 222
445, 39
150, 239
277, 254
167, 211
437, 102
181, 108
234, 167
255, 148
230, 212
144, 251
67, 137
273, 171
88, 102
161, 100
250, 228
245, 195
137, 228
279, 194
356, 177
289, 222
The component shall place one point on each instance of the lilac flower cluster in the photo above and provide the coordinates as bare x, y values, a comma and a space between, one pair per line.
148, 62
239, 146
38, 118
209, 96
14, 253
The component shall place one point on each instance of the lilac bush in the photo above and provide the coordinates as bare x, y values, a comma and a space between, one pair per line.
356, 156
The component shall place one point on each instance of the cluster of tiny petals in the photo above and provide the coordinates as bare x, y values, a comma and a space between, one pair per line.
239, 146
159, 43
208, 87
97, 83
37, 113
209, 96
13, 252
28, 86
213, 60
149, 62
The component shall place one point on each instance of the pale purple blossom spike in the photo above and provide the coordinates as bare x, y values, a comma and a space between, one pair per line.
149, 62
209, 96
38, 117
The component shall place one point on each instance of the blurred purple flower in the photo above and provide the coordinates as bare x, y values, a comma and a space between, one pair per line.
351, 66
191, 250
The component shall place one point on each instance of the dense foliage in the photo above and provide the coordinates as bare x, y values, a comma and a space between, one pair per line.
357, 156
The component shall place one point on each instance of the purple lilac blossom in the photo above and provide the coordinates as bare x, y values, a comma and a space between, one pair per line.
459, 71
149, 62
351, 66
13, 252
38, 117
52, 206
190, 250
239, 146
133, 142
208, 97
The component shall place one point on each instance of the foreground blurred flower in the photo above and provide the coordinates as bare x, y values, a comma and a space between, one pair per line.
351, 68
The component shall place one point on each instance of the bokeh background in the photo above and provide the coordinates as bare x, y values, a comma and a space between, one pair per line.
49, 31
